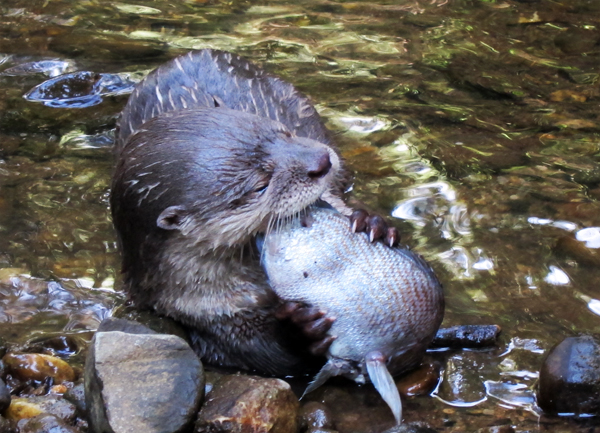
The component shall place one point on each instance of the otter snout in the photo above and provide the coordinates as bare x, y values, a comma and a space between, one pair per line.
320, 166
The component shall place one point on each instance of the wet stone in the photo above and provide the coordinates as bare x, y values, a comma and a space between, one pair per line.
240, 404
63, 345
411, 428
76, 395
38, 367
3, 348
497, 429
570, 377
6, 426
4, 396
24, 408
315, 415
142, 383
467, 336
45, 423
421, 381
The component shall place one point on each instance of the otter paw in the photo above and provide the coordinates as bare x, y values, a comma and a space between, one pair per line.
375, 226
313, 323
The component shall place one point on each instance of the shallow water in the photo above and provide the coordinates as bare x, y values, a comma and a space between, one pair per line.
474, 125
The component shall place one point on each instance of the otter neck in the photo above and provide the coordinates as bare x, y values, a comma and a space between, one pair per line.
207, 282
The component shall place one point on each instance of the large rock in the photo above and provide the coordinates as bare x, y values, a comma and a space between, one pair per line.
240, 404
570, 377
142, 383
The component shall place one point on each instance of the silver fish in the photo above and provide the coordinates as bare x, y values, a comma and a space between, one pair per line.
387, 302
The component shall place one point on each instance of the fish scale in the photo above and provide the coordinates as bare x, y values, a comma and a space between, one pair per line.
387, 302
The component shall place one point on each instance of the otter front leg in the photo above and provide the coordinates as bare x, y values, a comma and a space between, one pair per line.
313, 323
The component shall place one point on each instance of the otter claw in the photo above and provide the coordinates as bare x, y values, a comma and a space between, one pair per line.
375, 226
318, 328
312, 322
393, 236
320, 347
359, 220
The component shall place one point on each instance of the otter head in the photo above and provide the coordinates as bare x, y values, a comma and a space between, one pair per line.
211, 179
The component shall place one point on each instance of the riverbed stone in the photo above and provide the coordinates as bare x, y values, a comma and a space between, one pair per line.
30, 407
76, 395
421, 381
45, 423
6, 426
141, 383
570, 377
4, 396
38, 366
239, 404
315, 415
417, 427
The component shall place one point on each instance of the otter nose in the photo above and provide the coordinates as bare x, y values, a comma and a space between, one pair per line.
320, 167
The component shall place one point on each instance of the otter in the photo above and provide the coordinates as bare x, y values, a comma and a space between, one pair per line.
212, 150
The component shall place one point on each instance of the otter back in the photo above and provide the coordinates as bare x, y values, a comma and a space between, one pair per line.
212, 79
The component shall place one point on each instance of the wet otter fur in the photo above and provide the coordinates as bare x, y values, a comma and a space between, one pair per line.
211, 150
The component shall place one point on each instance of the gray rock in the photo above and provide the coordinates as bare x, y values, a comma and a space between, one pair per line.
45, 423
123, 325
570, 377
76, 396
239, 404
142, 383
4, 397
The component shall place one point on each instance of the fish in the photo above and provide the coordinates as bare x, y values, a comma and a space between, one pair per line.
387, 302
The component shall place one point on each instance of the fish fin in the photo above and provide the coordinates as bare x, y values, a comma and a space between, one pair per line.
329, 370
384, 383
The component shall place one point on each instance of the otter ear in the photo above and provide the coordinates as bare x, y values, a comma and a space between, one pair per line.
172, 218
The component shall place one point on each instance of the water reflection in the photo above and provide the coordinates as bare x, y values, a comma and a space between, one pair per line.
557, 277
513, 394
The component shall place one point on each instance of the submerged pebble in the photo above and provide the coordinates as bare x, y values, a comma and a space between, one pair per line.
37, 366
315, 415
45, 423
570, 377
24, 408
